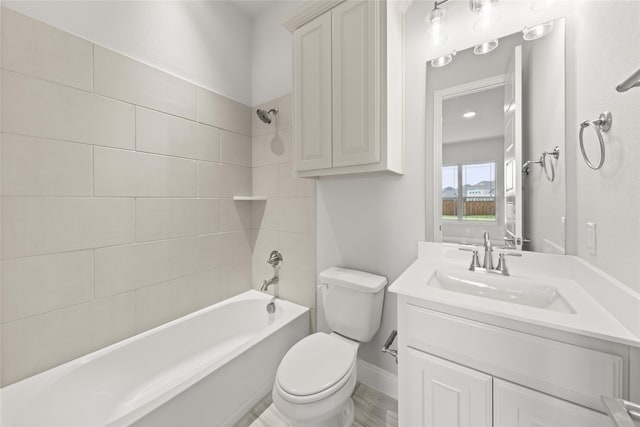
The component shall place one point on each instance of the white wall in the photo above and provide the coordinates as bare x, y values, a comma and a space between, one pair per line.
205, 42
271, 53
543, 127
607, 51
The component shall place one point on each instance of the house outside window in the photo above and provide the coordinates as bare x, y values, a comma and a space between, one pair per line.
469, 192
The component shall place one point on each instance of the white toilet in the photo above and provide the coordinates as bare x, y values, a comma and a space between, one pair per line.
317, 376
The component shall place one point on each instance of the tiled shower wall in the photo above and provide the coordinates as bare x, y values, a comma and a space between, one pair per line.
286, 221
117, 181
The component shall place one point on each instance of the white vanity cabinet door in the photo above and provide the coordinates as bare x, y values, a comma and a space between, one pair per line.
312, 94
516, 406
442, 393
356, 87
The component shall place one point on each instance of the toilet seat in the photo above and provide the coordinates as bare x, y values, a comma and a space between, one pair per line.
316, 367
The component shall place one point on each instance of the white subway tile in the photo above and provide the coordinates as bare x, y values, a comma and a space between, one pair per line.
35, 285
224, 113
299, 249
265, 180
38, 108
289, 186
235, 149
211, 249
235, 279
298, 285
63, 335
166, 134
285, 115
40, 50
297, 215
265, 242
167, 301
42, 167
123, 268
235, 215
132, 174
266, 214
41, 225
167, 218
217, 180
120, 77
216, 250
272, 148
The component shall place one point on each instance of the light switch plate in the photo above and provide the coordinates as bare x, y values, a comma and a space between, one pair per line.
591, 238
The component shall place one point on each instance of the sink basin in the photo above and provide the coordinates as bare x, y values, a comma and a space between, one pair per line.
503, 288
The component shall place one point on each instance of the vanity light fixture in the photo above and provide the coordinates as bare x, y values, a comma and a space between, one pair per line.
485, 47
537, 31
443, 60
488, 13
469, 114
437, 22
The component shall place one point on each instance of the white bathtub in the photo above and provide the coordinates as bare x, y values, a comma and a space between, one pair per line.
207, 368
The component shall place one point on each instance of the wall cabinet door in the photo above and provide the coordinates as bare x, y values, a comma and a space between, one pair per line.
356, 83
312, 94
516, 406
442, 393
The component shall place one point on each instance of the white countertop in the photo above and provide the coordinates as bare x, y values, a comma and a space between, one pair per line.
604, 308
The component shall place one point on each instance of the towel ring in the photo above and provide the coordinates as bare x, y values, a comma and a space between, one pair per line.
603, 124
551, 176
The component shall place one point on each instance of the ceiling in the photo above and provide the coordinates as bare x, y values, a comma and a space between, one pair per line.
251, 8
488, 121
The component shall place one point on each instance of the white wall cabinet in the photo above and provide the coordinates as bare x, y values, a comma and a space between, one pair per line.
348, 88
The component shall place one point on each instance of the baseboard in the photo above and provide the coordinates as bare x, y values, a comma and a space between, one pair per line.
377, 378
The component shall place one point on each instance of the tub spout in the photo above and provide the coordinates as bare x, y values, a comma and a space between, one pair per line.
273, 281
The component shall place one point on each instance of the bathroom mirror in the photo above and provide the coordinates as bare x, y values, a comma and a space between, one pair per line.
499, 142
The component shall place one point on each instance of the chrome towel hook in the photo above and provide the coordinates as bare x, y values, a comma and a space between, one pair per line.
603, 124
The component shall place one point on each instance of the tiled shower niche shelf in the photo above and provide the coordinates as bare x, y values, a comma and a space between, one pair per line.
249, 198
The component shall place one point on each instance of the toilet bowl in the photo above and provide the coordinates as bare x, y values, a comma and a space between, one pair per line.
315, 381
317, 376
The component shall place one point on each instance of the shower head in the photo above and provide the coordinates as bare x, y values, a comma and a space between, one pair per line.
265, 115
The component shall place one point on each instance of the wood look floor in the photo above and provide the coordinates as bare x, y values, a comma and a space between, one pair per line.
373, 409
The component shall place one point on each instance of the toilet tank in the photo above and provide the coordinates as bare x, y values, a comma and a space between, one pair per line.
352, 302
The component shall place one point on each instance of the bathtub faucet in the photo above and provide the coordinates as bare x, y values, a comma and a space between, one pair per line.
273, 281
275, 260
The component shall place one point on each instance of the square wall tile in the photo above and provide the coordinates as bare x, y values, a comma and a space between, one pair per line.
166, 134
235, 279
39, 284
224, 113
123, 268
126, 79
38, 108
167, 218
235, 149
167, 301
297, 215
40, 50
265, 180
132, 174
42, 225
42, 167
64, 335
217, 180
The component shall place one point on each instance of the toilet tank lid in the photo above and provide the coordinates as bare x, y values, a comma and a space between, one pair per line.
354, 279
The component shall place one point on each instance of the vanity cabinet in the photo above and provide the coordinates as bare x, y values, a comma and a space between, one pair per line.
462, 372
347, 88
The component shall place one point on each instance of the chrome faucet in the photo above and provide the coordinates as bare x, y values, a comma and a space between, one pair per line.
488, 252
275, 259
487, 264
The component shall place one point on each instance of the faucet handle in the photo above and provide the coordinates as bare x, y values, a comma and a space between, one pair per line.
502, 262
475, 261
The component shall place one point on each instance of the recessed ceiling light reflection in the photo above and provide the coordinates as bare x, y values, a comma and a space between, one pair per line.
443, 60
537, 31
485, 47
469, 114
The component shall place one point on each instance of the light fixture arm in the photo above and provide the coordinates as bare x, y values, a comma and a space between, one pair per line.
437, 4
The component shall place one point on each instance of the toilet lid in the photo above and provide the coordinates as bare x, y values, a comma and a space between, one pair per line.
314, 364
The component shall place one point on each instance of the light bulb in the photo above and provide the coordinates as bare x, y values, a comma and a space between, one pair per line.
488, 13
438, 26
537, 31
485, 47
